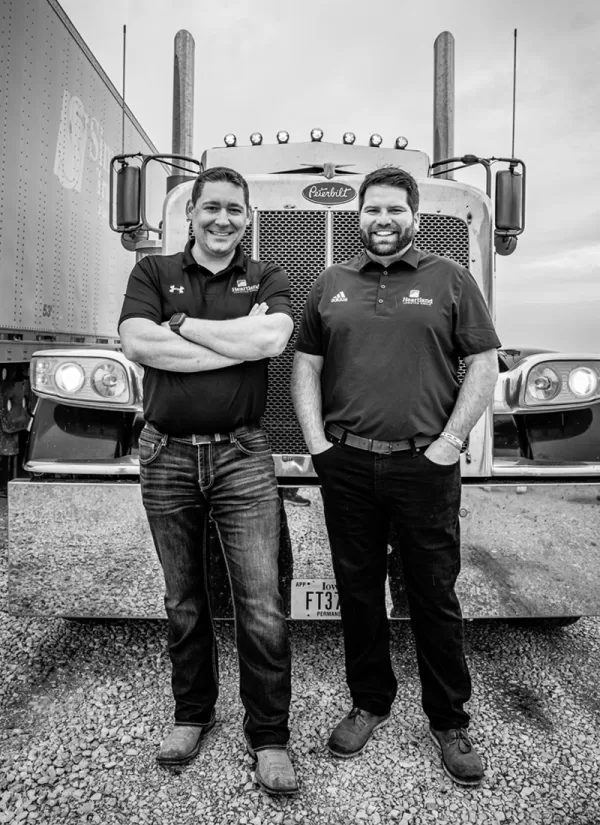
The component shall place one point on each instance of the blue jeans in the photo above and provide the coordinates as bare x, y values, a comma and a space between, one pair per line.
234, 483
362, 492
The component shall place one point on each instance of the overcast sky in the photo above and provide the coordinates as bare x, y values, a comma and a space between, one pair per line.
264, 65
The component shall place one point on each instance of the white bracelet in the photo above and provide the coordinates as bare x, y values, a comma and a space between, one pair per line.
452, 439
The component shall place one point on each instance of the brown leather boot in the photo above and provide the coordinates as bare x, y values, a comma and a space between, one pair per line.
183, 743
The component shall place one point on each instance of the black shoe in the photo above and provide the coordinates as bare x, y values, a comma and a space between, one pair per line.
460, 760
349, 737
296, 500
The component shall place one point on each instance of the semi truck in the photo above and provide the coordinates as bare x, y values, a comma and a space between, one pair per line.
78, 540
62, 270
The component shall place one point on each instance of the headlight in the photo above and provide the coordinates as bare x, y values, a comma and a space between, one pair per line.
230, 139
565, 382
349, 138
543, 383
69, 378
583, 382
89, 378
375, 140
283, 136
316, 135
109, 380
256, 138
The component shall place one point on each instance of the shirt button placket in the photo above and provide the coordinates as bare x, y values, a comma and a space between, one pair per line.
382, 286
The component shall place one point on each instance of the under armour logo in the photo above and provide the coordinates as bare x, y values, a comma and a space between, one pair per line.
174, 288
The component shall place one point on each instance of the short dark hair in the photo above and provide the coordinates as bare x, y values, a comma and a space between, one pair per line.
391, 176
220, 174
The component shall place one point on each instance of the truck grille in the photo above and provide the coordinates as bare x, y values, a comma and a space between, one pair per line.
298, 242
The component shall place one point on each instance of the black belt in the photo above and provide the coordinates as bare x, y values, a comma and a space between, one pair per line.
211, 438
373, 446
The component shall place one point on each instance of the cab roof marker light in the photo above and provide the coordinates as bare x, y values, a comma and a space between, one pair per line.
316, 135
230, 139
283, 136
256, 138
349, 138
375, 140
401, 142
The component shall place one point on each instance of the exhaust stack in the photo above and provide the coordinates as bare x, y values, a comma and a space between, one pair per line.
183, 102
443, 99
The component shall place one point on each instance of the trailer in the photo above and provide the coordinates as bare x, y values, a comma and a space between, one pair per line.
79, 544
62, 271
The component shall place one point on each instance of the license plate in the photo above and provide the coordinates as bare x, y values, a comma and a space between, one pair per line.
315, 599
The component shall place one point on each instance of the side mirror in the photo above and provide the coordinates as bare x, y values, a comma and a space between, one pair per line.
132, 191
128, 197
509, 200
510, 206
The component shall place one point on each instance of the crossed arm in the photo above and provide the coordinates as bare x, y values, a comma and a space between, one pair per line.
206, 345
474, 396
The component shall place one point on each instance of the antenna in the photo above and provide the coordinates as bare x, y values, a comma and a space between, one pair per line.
123, 96
514, 95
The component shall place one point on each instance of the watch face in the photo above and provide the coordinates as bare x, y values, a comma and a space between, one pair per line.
175, 321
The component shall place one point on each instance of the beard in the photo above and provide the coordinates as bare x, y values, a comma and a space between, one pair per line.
391, 245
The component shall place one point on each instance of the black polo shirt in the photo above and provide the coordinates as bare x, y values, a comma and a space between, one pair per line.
391, 340
220, 400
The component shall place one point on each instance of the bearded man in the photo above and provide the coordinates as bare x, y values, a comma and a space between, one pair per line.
376, 390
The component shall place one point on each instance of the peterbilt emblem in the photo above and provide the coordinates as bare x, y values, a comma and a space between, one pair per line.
329, 194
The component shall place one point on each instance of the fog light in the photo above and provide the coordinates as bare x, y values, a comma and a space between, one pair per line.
543, 383
256, 138
69, 378
283, 136
316, 134
375, 140
401, 142
583, 382
230, 139
109, 379
349, 137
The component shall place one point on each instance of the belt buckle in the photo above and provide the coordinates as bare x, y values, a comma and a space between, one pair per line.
205, 439
384, 447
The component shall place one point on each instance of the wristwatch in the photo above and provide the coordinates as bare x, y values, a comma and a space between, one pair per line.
176, 320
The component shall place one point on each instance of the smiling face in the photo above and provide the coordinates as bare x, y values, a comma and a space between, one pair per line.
387, 223
219, 219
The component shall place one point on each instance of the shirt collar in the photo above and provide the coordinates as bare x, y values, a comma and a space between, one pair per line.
238, 261
412, 256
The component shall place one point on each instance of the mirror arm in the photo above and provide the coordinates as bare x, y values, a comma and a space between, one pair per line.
167, 159
465, 161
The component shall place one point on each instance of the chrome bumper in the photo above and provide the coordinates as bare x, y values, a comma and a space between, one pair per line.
80, 548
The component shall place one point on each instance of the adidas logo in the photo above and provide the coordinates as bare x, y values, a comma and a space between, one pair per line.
339, 297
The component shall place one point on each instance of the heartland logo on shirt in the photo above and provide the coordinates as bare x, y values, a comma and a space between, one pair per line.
243, 287
414, 297
338, 298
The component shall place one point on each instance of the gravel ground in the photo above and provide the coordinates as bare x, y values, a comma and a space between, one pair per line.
83, 707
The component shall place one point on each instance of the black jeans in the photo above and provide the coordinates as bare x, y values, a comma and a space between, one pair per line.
233, 481
362, 491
